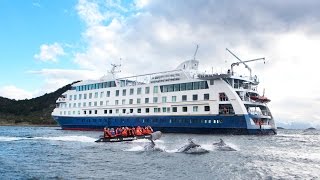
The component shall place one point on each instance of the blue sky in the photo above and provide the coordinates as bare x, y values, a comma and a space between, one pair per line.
25, 26
46, 44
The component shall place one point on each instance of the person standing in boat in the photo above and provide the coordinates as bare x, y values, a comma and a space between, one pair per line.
118, 131
112, 132
107, 133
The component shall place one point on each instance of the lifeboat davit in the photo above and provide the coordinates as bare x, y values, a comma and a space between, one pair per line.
261, 99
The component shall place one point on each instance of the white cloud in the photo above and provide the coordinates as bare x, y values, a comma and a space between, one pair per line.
50, 52
57, 78
89, 12
13, 92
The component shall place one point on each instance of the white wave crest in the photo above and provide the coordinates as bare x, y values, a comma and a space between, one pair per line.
68, 138
8, 138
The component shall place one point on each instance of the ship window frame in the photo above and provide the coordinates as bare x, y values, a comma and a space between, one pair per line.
195, 109
184, 108
189, 86
147, 90
174, 109
195, 97
184, 98
206, 96
139, 90
183, 86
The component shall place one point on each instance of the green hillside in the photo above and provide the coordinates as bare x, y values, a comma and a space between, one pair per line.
35, 111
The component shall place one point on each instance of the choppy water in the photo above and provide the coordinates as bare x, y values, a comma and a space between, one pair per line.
50, 153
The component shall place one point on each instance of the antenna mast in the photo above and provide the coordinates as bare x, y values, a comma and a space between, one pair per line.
113, 70
195, 53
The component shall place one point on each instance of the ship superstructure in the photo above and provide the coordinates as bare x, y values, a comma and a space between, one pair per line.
178, 101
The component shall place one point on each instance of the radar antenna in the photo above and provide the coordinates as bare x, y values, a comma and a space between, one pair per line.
114, 70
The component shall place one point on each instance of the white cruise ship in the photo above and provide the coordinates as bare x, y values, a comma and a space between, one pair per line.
178, 101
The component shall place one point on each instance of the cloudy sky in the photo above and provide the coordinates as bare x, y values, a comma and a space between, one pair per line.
47, 44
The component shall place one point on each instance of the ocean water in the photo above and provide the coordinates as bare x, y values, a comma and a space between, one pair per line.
51, 153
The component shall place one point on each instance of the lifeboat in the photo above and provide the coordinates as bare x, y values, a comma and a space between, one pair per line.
261, 99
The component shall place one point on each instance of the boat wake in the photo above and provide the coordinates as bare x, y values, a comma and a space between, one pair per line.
57, 138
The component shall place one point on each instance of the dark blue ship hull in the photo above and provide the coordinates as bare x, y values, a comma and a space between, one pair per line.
235, 124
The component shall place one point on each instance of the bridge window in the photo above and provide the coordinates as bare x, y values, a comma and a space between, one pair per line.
189, 86
183, 87
176, 87
196, 85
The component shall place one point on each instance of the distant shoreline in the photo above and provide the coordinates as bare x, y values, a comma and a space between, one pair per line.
30, 125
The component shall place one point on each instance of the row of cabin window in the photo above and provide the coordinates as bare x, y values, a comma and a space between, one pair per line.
164, 88
146, 100
96, 86
223, 109
147, 110
184, 86
154, 120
